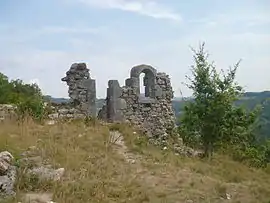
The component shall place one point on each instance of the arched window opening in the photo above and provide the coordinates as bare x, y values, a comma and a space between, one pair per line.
142, 85
143, 78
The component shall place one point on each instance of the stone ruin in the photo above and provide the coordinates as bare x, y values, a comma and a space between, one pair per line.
152, 112
82, 89
7, 111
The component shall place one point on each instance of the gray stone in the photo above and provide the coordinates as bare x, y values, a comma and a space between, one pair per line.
5, 161
82, 89
53, 116
7, 183
63, 111
47, 173
7, 176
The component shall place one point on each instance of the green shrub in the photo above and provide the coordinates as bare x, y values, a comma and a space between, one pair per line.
27, 97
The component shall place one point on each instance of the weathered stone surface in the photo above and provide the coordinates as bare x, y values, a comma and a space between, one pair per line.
7, 175
152, 112
5, 161
34, 165
82, 89
38, 167
113, 102
47, 173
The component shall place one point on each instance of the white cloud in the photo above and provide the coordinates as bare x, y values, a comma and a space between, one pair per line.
142, 7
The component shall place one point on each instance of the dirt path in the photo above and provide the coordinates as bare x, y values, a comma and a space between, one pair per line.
141, 172
119, 145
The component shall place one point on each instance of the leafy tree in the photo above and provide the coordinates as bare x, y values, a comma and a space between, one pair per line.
5, 88
27, 97
211, 120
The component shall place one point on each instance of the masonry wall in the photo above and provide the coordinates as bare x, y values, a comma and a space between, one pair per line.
152, 112
65, 111
82, 89
60, 111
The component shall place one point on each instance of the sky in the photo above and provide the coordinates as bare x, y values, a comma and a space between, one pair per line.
41, 39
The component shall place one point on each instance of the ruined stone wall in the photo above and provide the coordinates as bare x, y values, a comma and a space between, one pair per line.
152, 112
82, 89
7, 111
65, 111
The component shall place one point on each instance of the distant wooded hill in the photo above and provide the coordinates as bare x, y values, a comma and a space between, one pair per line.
249, 100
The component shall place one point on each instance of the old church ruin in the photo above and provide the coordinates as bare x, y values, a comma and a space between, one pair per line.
151, 112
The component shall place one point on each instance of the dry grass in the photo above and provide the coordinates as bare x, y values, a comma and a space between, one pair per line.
95, 172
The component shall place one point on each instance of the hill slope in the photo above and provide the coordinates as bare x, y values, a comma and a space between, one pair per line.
102, 165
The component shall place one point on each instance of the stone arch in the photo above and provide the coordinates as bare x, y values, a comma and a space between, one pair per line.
149, 80
146, 69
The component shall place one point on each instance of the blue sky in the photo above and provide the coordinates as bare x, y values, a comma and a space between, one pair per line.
41, 39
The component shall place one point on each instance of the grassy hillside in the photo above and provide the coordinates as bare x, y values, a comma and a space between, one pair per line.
99, 167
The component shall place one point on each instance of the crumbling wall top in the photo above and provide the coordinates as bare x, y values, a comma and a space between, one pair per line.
77, 71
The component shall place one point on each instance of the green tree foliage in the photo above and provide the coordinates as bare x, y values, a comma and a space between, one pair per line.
4, 88
212, 121
27, 97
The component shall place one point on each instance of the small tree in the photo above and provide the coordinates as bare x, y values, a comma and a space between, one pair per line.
212, 120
